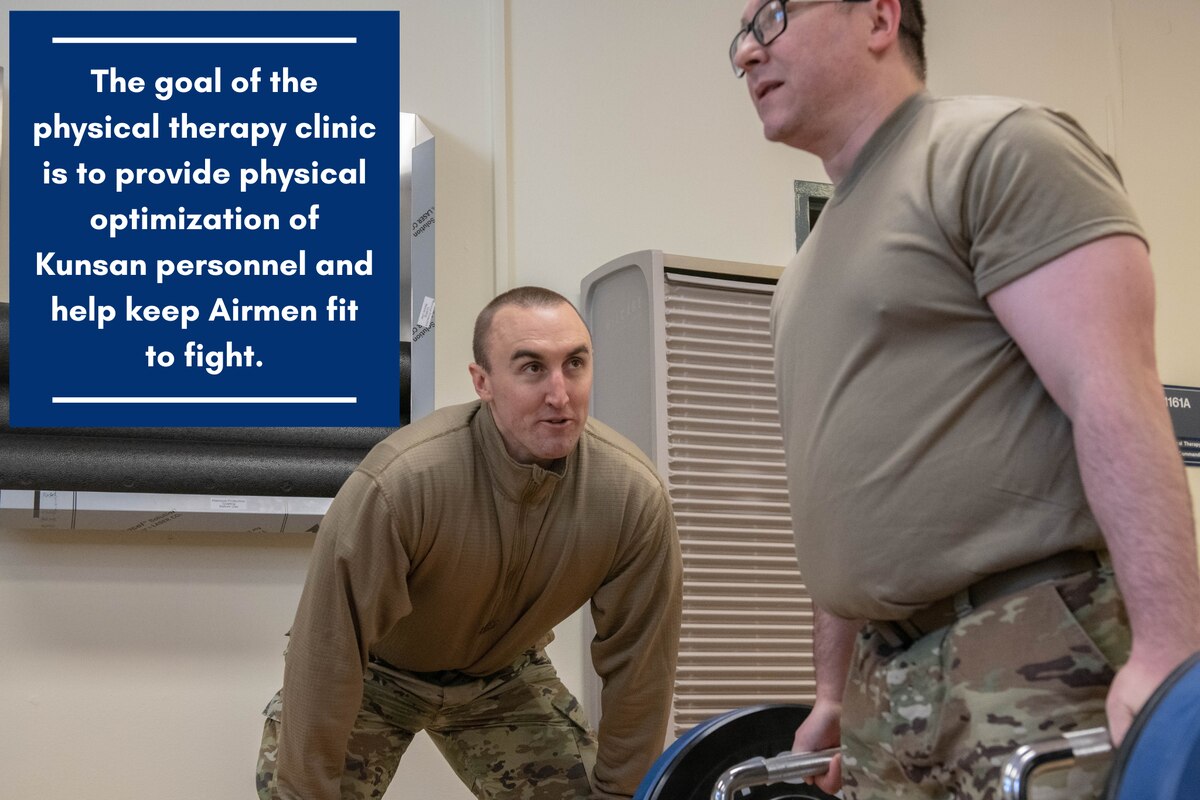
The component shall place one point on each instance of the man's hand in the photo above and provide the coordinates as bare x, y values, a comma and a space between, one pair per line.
821, 730
1132, 687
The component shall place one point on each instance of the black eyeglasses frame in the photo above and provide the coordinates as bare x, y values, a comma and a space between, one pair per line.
754, 28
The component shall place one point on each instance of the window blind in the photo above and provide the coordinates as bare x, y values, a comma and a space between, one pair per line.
747, 618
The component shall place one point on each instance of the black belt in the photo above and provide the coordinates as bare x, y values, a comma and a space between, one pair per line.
903, 632
447, 678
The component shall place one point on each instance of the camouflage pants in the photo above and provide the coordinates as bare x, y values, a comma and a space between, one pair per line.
517, 735
939, 718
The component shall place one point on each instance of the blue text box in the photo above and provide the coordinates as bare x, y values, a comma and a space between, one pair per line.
204, 218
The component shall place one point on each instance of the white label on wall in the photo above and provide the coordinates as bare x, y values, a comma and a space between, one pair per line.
426, 315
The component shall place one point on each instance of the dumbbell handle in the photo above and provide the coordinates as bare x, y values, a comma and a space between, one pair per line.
1051, 754
763, 771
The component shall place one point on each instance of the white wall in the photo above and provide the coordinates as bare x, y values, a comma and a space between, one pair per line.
136, 665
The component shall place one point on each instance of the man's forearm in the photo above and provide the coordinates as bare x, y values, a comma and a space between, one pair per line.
1137, 489
833, 645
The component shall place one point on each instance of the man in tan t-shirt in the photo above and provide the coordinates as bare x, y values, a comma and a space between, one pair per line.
972, 417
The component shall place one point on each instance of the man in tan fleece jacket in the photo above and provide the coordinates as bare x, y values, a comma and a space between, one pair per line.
444, 563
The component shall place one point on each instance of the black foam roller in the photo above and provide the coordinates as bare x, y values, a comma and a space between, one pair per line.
81, 463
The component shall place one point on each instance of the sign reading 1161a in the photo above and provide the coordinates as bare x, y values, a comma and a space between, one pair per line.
204, 218
1183, 403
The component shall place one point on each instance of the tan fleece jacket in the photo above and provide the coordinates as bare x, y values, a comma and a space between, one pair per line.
440, 552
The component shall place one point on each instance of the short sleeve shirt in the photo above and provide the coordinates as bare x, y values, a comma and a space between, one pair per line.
923, 452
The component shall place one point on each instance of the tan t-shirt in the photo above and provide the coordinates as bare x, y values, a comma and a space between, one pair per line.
923, 452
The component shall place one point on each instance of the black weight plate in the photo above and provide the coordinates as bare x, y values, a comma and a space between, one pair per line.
690, 767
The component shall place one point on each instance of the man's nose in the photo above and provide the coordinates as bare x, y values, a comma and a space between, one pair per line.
749, 52
556, 390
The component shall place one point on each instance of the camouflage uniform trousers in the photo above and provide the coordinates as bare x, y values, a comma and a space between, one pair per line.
516, 735
939, 718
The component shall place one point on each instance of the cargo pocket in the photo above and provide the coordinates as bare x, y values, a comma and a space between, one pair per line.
585, 739
1026, 659
1094, 604
570, 708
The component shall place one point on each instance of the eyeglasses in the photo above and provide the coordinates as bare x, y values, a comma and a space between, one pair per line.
768, 22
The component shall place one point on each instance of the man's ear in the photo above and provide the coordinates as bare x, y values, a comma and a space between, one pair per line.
886, 28
481, 382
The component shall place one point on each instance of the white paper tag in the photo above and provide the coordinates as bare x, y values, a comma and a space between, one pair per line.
426, 315
228, 503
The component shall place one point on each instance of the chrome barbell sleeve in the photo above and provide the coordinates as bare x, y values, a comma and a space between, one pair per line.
1050, 754
764, 771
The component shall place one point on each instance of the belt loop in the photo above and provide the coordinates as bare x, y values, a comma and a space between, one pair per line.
962, 603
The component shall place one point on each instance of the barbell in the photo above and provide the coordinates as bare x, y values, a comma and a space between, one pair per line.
721, 759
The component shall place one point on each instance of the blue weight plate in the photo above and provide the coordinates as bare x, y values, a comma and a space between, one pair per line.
1159, 758
691, 765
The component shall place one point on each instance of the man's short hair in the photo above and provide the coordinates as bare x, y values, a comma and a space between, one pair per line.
522, 297
912, 35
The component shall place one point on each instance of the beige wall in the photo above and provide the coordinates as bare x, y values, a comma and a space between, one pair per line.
135, 666
567, 134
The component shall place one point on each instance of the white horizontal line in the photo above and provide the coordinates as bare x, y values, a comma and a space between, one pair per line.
119, 400
204, 40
